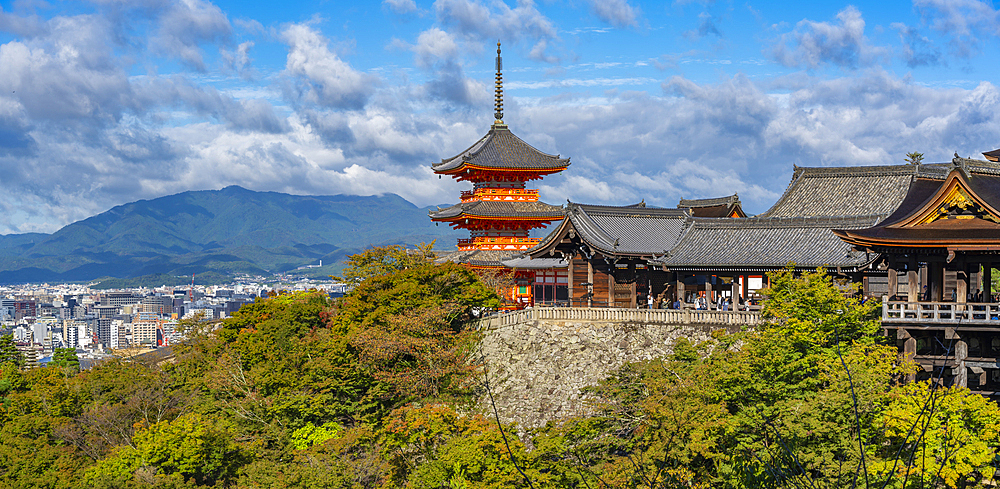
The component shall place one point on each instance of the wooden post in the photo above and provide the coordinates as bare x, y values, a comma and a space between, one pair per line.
893, 282
961, 351
961, 289
735, 299
912, 281
611, 285
590, 280
569, 267
909, 349
987, 282
680, 289
708, 292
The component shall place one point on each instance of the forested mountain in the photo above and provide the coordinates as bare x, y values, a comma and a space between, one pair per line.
226, 231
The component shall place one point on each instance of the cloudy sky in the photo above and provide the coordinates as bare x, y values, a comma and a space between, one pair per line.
109, 101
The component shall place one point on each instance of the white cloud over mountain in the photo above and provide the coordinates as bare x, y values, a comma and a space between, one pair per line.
91, 117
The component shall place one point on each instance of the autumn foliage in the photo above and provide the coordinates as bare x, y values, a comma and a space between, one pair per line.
377, 390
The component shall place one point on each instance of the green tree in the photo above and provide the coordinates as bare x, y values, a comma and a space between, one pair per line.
384, 260
9, 352
914, 158
65, 358
191, 448
955, 443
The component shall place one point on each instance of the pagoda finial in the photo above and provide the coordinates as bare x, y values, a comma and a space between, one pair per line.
498, 105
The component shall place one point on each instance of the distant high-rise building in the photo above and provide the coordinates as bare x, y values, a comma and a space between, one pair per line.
24, 308
71, 335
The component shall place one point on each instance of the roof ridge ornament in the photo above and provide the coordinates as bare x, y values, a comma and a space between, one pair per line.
498, 102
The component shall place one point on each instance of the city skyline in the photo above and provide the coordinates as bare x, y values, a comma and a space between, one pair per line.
103, 103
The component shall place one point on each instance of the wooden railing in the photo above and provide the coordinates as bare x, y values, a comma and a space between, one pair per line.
618, 315
941, 312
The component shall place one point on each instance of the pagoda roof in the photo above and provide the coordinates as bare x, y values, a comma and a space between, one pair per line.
617, 230
992, 155
765, 243
500, 149
714, 207
960, 212
498, 209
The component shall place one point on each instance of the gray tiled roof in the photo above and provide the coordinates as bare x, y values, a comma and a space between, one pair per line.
524, 262
499, 208
845, 191
501, 149
629, 230
689, 203
766, 243
481, 258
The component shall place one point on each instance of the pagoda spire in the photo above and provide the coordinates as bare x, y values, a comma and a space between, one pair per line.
498, 104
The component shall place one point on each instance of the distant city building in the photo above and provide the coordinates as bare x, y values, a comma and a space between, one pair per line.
119, 299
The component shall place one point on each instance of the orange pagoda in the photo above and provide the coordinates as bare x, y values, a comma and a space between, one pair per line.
499, 211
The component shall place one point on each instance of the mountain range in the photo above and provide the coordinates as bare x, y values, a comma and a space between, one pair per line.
228, 231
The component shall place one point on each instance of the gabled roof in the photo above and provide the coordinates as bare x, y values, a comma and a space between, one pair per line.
844, 191
762, 243
716, 207
498, 208
613, 230
689, 203
861, 190
500, 149
962, 212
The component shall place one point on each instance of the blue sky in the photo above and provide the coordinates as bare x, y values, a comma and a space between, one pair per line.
106, 102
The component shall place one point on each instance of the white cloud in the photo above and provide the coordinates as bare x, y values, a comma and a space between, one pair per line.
523, 23
616, 12
322, 77
186, 25
434, 45
400, 6
966, 23
814, 44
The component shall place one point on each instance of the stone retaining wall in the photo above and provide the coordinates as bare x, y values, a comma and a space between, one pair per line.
537, 367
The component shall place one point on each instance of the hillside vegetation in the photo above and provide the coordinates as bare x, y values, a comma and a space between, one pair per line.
375, 391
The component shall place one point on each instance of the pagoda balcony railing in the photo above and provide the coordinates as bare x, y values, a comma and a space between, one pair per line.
972, 313
509, 194
498, 243
622, 315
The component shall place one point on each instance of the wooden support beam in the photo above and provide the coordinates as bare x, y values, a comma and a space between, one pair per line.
909, 352
913, 282
893, 282
590, 280
680, 289
611, 286
569, 270
708, 292
987, 282
961, 284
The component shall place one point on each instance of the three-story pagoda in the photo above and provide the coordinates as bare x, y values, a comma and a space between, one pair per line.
499, 211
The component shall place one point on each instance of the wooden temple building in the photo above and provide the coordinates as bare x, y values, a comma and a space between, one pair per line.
939, 248
923, 238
